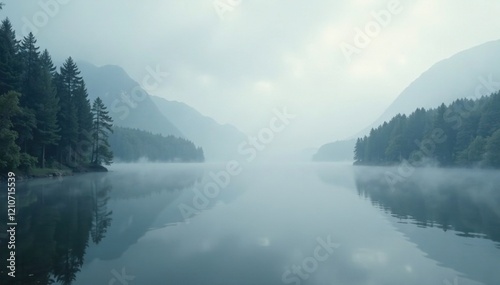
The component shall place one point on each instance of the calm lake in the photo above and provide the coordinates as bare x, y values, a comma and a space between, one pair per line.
149, 224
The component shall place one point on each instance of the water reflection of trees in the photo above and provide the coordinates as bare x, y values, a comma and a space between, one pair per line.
59, 219
54, 226
139, 198
101, 219
463, 200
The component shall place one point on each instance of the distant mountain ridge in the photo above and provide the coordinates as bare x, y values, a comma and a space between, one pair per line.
132, 107
120, 94
475, 70
339, 150
472, 72
219, 142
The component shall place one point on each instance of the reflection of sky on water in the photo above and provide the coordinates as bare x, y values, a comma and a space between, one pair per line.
268, 220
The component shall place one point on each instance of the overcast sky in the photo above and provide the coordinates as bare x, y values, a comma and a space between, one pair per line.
237, 60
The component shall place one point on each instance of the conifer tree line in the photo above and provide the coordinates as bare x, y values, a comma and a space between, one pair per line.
130, 145
46, 119
465, 133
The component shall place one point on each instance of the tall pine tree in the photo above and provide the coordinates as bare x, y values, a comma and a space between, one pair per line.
10, 64
84, 120
30, 79
102, 126
68, 81
47, 132
30, 90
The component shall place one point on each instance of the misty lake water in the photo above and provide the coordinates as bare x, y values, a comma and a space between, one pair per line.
150, 224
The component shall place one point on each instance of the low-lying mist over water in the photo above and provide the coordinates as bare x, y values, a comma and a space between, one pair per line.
268, 224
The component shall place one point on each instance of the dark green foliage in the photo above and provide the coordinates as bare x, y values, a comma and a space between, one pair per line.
47, 113
101, 128
493, 150
31, 72
83, 109
465, 133
47, 132
37, 127
10, 63
473, 154
9, 150
69, 83
84, 123
27, 162
444, 150
131, 145
489, 121
24, 123
46, 117
359, 150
